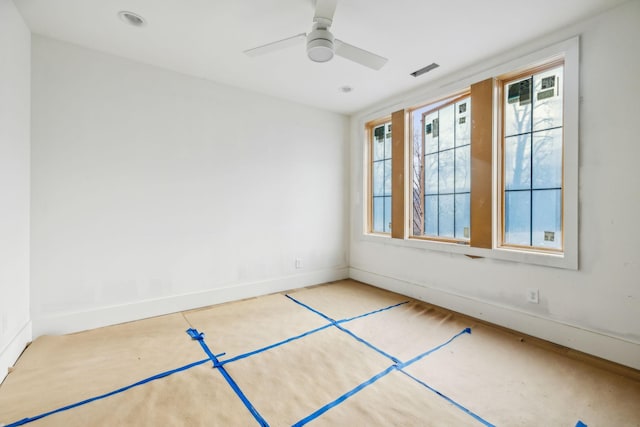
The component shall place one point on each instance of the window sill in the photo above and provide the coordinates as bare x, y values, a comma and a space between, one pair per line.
556, 260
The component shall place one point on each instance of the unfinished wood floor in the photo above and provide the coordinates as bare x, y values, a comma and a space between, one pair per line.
332, 355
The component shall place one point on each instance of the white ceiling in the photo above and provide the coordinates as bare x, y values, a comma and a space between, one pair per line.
205, 38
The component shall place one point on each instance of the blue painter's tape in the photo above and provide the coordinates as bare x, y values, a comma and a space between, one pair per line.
278, 344
368, 344
372, 312
311, 309
581, 424
397, 366
304, 334
103, 396
448, 399
344, 397
426, 353
193, 333
337, 325
199, 336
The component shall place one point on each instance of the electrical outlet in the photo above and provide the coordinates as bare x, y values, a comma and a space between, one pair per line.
533, 296
298, 263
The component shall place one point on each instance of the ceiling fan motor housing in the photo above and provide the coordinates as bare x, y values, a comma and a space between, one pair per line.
320, 45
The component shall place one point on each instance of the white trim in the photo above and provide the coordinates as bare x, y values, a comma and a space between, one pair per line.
12, 351
64, 323
548, 259
613, 348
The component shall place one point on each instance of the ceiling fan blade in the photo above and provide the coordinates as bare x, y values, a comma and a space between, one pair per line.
325, 10
273, 46
361, 56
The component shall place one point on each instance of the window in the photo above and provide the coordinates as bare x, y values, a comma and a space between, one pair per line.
497, 180
380, 172
532, 166
442, 169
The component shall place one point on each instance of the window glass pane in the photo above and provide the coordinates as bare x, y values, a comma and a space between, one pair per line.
446, 121
444, 167
533, 160
547, 219
380, 170
547, 159
517, 161
445, 216
431, 174
517, 107
378, 178
445, 171
387, 214
378, 214
431, 128
547, 99
463, 122
387, 141
387, 177
462, 216
378, 143
463, 168
517, 212
431, 216
417, 174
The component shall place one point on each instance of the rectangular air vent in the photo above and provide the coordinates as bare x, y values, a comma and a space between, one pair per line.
426, 69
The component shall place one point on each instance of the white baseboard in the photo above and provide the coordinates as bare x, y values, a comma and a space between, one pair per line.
64, 323
608, 347
10, 353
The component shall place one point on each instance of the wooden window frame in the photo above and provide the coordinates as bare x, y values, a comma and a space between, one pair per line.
501, 82
485, 241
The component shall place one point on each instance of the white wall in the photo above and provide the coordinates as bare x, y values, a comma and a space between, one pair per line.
15, 64
595, 309
154, 192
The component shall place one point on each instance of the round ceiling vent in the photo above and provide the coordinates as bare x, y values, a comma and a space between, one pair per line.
132, 18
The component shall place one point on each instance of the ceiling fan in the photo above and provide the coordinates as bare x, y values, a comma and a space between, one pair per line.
321, 45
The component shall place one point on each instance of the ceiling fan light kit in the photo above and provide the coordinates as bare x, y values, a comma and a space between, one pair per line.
320, 45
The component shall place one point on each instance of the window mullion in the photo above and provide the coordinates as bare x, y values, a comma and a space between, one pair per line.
398, 221
481, 227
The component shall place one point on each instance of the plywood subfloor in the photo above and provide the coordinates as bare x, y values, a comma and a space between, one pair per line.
338, 354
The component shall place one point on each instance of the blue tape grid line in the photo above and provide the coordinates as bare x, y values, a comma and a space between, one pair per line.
343, 329
278, 344
218, 364
199, 336
183, 368
344, 397
448, 399
372, 312
312, 331
398, 365
111, 393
